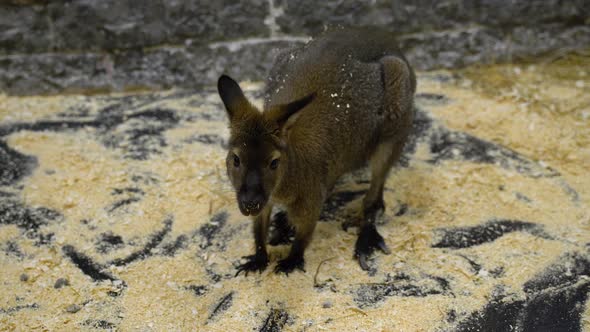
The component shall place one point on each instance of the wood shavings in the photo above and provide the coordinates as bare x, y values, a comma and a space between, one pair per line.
178, 282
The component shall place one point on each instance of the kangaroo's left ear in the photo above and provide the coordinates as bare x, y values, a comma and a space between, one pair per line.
283, 112
233, 98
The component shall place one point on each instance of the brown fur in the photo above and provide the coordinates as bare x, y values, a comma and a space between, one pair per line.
341, 100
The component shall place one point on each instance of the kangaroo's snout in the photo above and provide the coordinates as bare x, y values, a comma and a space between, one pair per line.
251, 201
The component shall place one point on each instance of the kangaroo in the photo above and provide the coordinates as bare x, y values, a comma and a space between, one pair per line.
342, 99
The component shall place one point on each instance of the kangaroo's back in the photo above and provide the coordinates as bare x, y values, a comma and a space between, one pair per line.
329, 60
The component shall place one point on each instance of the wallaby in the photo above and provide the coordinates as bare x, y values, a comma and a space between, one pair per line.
331, 105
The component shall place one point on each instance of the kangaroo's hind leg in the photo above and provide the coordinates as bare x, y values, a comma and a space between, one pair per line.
373, 205
399, 86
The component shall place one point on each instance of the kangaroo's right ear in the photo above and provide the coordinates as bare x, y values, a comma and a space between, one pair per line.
232, 96
283, 112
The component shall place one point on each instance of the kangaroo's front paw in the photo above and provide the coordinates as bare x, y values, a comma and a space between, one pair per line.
369, 240
289, 264
255, 262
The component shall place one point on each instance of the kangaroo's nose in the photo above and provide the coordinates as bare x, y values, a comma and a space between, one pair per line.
251, 200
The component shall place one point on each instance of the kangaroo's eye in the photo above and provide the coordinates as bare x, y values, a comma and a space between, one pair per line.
236, 161
274, 163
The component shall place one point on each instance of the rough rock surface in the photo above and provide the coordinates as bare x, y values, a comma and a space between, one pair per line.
84, 45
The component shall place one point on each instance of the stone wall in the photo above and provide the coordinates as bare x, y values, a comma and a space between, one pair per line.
104, 45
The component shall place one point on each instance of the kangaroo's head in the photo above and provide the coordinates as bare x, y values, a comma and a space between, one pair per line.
257, 156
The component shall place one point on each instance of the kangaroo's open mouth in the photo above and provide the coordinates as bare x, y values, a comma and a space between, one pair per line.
252, 210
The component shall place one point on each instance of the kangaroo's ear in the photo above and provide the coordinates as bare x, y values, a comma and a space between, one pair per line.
232, 96
283, 112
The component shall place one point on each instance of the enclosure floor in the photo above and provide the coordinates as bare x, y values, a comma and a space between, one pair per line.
125, 201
